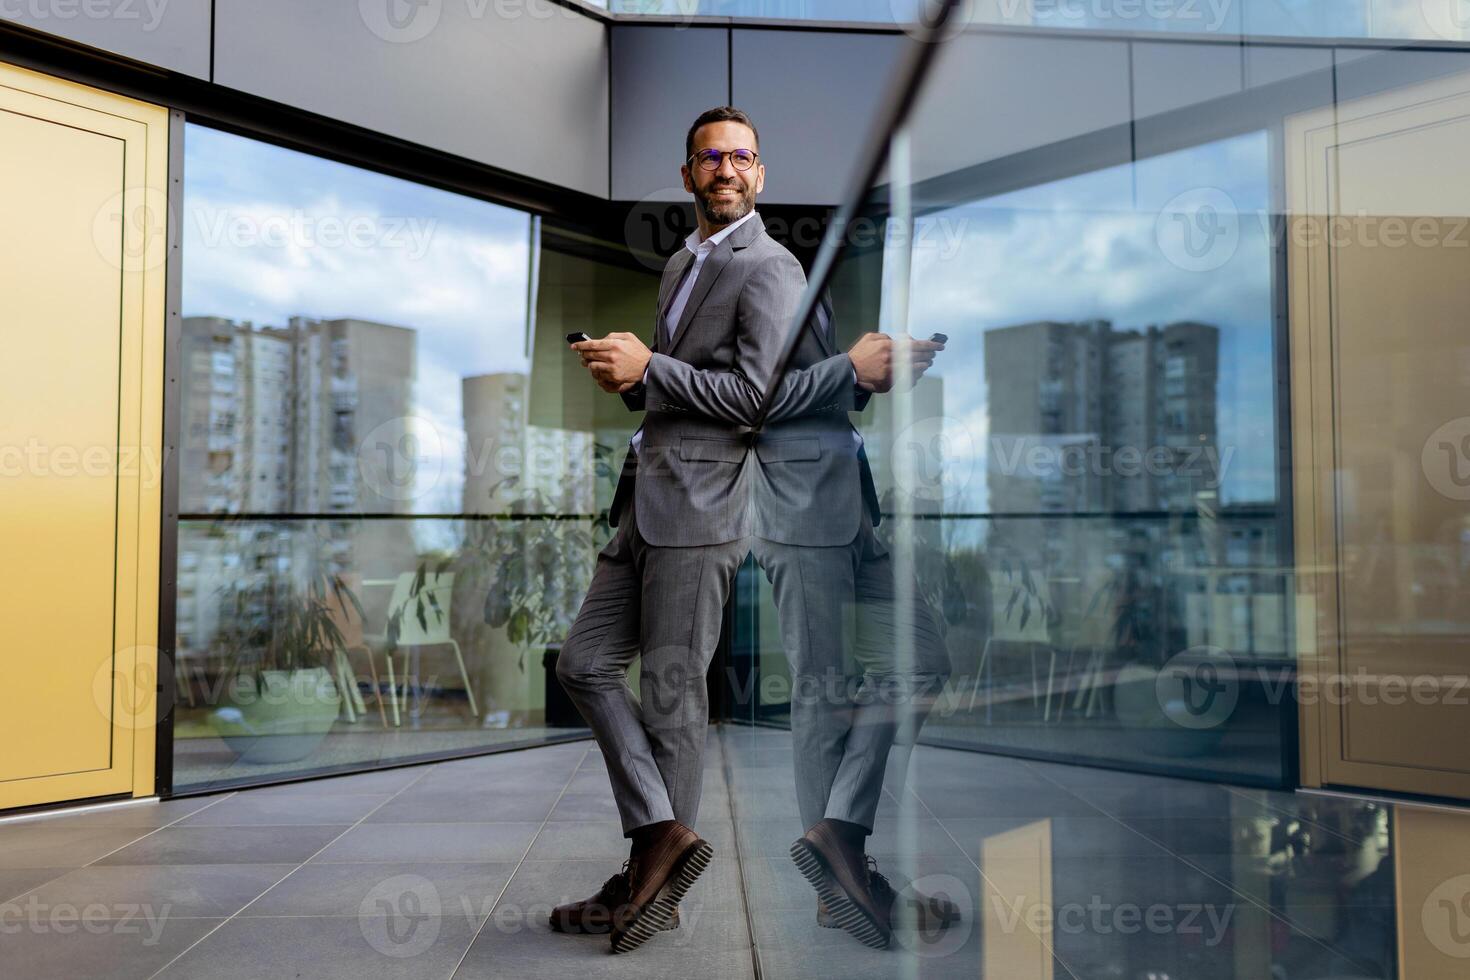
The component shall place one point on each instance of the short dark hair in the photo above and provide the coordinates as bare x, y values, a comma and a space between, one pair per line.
724, 113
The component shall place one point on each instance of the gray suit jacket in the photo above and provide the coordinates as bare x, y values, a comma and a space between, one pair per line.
703, 476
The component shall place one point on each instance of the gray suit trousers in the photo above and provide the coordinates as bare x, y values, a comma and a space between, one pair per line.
850, 713
668, 604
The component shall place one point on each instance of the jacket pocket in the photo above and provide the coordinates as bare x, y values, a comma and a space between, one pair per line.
711, 450
788, 450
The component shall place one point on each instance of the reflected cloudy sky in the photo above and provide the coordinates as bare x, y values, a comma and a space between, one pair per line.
260, 221
1421, 19
1094, 247
271, 233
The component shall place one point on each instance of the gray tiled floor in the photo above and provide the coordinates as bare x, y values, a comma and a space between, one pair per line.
449, 870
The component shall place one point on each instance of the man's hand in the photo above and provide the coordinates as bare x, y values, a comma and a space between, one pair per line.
617, 362
876, 355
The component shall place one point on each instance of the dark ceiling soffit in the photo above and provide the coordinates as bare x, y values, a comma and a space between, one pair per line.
260, 118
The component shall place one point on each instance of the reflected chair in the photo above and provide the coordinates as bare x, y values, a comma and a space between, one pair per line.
434, 631
1092, 636
1010, 625
354, 640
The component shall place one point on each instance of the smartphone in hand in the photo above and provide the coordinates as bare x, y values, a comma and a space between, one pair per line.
939, 338
577, 338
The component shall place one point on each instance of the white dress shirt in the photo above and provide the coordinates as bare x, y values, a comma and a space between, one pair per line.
701, 250
669, 322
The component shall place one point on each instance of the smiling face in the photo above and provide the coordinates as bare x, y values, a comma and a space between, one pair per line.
726, 195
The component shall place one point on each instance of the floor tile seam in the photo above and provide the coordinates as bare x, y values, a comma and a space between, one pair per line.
236, 914
495, 905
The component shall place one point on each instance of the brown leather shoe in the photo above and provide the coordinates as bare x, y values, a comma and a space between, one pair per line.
594, 915
840, 876
658, 877
928, 912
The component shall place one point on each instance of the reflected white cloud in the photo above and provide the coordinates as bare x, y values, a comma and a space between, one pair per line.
271, 234
1082, 250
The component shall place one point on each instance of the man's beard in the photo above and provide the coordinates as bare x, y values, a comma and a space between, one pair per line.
726, 212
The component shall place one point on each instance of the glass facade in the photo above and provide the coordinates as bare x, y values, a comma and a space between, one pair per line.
389, 500
1422, 20
1183, 499
1101, 456
1089, 478
1156, 481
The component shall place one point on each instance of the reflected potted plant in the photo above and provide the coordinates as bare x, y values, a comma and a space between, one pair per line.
279, 699
539, 562
1155, 700
937, 577
539, 566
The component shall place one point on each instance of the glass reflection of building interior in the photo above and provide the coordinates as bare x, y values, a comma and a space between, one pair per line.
348, 429
1185, 490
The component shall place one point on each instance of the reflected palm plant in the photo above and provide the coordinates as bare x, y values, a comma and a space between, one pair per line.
1027, 598
276, 623
538, 562
422, 601
938, 579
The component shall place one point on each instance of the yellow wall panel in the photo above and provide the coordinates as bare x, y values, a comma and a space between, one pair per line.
81, 387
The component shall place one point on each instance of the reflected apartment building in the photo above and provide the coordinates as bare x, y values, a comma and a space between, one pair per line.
273, 422
1088, 419
1186, 490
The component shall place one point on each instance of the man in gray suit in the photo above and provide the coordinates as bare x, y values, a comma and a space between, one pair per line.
697, 485
813, 513
834, 588
683, 526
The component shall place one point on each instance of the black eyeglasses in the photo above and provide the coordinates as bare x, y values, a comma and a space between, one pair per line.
712, 159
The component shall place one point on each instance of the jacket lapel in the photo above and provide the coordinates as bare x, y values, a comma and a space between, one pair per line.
721, 257
673, 275
825, 336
